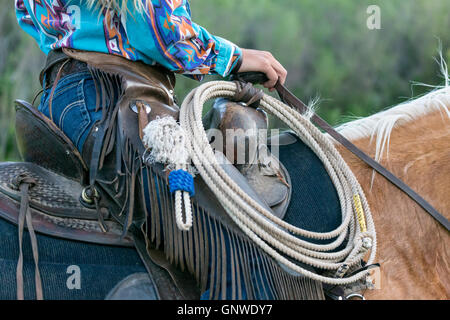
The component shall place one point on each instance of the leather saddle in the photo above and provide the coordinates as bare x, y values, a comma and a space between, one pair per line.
240, 132
56, 201
111, 171
60, 176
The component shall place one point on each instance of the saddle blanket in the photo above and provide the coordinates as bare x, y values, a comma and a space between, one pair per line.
70, 270
314, 203
75, 270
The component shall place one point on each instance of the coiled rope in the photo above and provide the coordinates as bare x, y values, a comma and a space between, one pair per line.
273, 235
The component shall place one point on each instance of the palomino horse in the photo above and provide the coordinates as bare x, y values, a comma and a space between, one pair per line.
413, 141
412, 247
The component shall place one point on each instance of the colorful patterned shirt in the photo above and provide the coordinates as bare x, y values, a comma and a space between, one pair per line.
164, 34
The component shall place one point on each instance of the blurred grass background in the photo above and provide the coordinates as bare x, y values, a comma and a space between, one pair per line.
325, 45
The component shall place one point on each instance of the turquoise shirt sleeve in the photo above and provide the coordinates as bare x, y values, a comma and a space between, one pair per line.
164, 33
167, 32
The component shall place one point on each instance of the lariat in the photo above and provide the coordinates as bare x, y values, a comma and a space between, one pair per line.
276, 237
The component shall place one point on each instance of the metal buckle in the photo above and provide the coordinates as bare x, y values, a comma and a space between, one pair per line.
87, 197
134, 107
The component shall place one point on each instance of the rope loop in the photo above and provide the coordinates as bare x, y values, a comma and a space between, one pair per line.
289, 245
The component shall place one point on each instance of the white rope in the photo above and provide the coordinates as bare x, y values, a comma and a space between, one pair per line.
273, 235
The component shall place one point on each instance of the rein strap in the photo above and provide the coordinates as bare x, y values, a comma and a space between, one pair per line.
290, 99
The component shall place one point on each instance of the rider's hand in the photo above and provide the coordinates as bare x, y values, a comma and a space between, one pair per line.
263, 61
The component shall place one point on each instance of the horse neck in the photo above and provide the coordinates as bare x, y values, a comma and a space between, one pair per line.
411, 245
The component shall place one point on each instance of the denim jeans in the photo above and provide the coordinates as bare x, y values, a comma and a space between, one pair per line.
73, 106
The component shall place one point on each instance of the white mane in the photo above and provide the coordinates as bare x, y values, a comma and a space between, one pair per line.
380, 125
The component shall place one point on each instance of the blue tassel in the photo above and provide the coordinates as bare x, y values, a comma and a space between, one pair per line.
181, 180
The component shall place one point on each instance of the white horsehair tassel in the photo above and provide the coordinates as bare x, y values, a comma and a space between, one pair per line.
166, 142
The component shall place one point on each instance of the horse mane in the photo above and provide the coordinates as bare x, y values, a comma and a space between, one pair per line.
381, 125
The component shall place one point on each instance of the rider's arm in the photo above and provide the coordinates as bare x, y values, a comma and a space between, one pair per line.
178, 43
185, 47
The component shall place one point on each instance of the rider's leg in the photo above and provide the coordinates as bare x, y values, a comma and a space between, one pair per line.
73, 105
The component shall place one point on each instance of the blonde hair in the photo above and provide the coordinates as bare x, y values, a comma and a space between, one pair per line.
119, 6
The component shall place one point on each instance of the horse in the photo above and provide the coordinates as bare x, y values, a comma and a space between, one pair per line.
413, 141
411, 245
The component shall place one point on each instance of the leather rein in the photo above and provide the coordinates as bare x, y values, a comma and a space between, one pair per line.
290, 99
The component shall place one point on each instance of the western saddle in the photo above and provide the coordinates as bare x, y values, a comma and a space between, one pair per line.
109, 195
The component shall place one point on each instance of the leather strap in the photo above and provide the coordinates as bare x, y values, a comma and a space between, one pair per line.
23, 183
55, 83
54, 57
248, 94
288, 97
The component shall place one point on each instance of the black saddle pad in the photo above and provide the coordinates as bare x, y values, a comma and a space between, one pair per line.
100, 267
314, 203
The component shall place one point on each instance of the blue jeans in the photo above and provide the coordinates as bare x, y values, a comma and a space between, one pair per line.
73, 106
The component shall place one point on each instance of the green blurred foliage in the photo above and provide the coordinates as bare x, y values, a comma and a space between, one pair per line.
325, 45
20, 63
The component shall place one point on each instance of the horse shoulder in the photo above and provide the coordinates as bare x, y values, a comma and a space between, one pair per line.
413, 248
